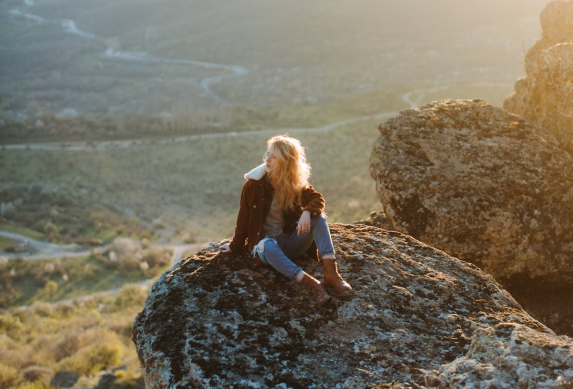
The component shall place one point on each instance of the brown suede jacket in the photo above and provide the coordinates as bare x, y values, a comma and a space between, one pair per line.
256, 198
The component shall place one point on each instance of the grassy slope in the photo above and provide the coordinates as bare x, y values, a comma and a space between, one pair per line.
200, 181
315, 52
10, 227
70, 278
7, 242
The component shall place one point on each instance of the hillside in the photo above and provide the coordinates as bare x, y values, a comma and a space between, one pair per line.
143, 57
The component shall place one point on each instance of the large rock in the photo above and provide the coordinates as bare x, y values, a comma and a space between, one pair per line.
481, 184
64, 379
545, 95
416, 318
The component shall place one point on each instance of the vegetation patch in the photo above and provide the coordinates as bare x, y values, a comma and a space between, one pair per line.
27, 281
6, 225
62, 214
90, 337
7, 243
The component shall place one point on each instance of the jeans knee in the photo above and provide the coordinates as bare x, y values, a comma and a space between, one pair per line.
318, 221
271, 245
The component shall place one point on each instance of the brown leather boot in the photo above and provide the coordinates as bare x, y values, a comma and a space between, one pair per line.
332, 278
316, 288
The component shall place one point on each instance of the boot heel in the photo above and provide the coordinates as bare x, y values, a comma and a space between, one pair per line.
316, 288
332, 278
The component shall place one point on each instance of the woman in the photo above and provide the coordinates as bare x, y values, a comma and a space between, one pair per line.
281, 215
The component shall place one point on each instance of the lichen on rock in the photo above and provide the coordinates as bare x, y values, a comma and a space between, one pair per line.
482, 184
416, 318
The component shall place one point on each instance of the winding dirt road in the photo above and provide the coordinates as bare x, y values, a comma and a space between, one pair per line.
111, 53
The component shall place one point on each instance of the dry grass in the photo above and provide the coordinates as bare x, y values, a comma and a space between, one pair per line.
86, 337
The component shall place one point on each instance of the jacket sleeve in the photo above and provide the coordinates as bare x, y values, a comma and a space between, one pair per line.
242, 225
312, 201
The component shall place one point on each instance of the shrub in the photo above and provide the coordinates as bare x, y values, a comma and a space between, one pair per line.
36, 373
81, 272
190, 238
50, 290
42, 309
127, 253
131, 379
129, 296
65, 309
50, 228
125, 247
155, 257
101, 260
8, 210
66, 347
8, 376
26, 316
14, 354
39, 384
93, 359
11, 325
87, 303
128, 265
125, 330
8, 293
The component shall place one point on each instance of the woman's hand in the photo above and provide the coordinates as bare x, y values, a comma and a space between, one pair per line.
303, 223
226, 248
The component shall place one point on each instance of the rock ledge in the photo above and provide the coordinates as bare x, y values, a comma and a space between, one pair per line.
417, 318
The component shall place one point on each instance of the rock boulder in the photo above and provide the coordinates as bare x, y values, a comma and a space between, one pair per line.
481, 184
545, 95
416, 318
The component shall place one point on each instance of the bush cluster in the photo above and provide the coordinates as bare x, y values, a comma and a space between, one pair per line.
129, 255
91, 126
91, 338
65, 214
25, 281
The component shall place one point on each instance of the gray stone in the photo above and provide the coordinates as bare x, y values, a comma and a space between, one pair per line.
417, 318
64, 379
481, 184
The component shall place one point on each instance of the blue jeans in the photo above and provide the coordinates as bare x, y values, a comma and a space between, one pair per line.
278, 250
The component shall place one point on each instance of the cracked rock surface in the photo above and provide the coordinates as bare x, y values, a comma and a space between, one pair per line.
417, 318
481, 184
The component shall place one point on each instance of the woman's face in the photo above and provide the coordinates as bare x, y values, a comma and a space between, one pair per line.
271, 159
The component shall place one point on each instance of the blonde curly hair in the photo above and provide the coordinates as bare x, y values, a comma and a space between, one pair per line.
292, 171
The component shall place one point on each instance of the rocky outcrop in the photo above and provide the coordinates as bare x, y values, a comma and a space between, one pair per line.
416, 318
483, 185
545, 95
377, 219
